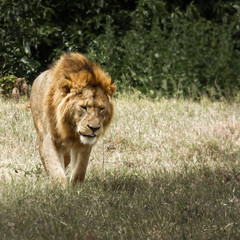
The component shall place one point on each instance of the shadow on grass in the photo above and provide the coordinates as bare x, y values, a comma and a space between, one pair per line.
200, 204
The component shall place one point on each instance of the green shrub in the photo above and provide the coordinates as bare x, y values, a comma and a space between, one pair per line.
178, 54
34, 33
7, 84
188, 51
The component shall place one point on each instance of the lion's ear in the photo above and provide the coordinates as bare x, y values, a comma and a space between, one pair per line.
65, 87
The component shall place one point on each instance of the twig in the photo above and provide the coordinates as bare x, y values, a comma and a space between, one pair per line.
63, 223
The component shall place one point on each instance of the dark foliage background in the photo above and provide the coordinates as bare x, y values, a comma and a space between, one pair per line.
172, 49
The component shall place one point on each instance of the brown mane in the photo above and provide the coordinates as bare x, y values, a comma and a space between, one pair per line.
73, 66
70, 74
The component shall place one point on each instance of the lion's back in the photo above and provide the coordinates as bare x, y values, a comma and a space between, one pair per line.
39, 91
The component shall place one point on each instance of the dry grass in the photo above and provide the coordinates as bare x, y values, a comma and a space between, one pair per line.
171, 166
145, 136
170, 135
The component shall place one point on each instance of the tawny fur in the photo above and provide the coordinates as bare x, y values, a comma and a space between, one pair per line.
72, 106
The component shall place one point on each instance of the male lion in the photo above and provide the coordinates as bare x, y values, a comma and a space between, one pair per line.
72, 106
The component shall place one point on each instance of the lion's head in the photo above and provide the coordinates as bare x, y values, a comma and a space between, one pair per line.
80, 99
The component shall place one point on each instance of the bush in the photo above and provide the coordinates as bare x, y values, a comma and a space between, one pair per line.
174, 55
11, 86
34, 33
7, 84
148, 45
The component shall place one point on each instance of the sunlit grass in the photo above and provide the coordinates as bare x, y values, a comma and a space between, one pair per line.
165, 169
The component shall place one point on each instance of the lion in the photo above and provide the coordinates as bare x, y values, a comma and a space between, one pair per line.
72, 106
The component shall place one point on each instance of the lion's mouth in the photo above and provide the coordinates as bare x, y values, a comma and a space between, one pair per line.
90, 136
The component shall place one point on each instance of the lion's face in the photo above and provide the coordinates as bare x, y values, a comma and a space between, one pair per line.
88, 113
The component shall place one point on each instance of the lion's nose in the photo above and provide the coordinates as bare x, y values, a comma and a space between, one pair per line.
94, 129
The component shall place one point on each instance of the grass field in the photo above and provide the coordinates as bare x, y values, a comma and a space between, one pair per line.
166, 169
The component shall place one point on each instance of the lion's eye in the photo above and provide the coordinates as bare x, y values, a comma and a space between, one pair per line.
84, 108
101, 109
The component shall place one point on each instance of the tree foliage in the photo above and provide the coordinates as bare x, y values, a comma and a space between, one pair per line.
168, 49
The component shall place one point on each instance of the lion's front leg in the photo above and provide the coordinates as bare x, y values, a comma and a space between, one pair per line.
53, 160
79, 162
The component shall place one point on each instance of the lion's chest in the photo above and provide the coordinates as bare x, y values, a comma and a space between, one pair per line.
69, 144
